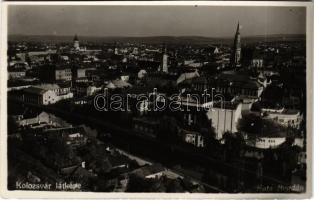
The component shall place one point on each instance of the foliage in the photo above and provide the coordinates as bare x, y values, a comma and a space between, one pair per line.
255, 125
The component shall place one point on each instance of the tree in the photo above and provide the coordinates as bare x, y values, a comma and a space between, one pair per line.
256, 126
137, 184
234, 143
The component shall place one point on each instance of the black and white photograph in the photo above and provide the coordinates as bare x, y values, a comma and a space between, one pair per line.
200, 99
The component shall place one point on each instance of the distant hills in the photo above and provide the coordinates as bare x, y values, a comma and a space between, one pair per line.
154, 39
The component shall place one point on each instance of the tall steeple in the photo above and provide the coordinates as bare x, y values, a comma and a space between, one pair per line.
238, 28
236, 53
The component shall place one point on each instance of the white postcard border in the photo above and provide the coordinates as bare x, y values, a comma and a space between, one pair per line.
78, 195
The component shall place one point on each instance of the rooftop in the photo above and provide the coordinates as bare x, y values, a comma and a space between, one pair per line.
66, 130
146, 120
226, 105
148, 170
48, 86
34, 90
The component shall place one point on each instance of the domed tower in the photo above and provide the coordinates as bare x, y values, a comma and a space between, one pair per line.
76, 43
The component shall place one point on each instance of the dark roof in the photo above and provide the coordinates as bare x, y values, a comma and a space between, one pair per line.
67, 130
12, 69
62, 67
34, 90
148, 170
118, 160
235, 80
257, 55
201, 79
234, 77
79, 171
64, 84
149, 64
226, 105
82, 84
252, 85
140, 90
211, 48
146, 120
162, 76
68, 170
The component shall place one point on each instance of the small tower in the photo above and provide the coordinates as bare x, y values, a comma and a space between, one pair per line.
76, 43
164, 65
116, 50
236, 53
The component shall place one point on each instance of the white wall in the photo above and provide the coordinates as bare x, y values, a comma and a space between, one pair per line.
224, 120
267, 142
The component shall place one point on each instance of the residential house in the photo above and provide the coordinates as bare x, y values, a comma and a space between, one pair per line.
39, 96
73, 136
285, 117
148, 127
192, 137
16, 73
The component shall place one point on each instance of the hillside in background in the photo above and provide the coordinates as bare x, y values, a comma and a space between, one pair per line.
154, 39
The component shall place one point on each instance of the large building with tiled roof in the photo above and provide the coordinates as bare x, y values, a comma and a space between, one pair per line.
234, 84
39, 96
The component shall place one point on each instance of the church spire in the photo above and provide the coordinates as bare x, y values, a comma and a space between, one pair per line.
238, 28
236, 55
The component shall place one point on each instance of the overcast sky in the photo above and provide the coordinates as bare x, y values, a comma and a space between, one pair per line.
154, 21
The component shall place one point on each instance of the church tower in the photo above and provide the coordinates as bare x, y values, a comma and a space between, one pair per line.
164, 65
236, 53
116, 50
76, 43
